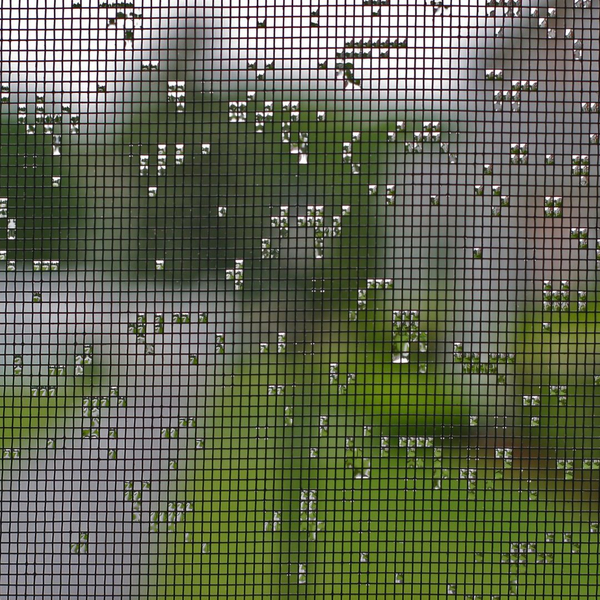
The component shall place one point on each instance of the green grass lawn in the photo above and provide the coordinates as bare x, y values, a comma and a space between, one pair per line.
301, 490
327, 508
32, 420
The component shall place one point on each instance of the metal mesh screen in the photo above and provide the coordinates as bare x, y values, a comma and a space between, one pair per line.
299, 299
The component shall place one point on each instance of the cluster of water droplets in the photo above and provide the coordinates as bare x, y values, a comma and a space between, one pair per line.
160, 354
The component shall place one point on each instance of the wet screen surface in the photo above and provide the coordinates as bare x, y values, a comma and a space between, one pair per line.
299, 301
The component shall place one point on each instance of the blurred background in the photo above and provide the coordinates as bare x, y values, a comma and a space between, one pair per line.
299, 303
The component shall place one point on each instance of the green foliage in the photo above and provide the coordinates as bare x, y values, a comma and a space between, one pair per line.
42, 195
27, 421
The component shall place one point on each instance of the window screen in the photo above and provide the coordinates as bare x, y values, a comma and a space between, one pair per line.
299, 299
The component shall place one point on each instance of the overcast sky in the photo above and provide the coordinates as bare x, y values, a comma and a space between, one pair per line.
50, 46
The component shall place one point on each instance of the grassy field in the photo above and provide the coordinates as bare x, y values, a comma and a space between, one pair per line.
294, 495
